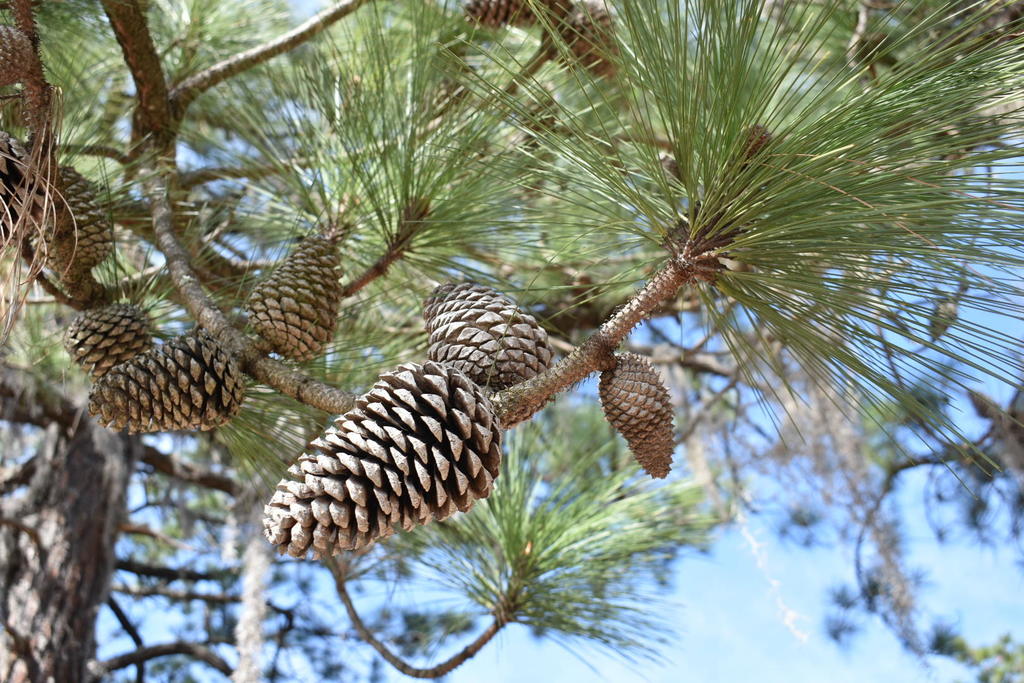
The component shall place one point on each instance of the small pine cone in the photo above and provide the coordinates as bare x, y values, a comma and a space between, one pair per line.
104, 337
638, 405
485, 335
188, 383
588, 31
498, 13
421, 444
15, 53
296, 307
90, 237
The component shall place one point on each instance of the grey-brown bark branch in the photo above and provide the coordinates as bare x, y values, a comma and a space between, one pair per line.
194, 650
520, 402
400, 664
192, 87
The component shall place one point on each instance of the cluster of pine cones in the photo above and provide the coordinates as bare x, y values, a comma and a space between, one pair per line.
192, 382
423, 442
585, 26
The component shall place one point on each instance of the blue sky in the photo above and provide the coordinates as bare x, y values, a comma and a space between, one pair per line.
731, 627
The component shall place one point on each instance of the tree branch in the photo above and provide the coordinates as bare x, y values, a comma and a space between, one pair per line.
144, 654
521, 401
25, 399
189, 89
187, 471
133, 633
143, 530
185, 596
281, 377
398, 245
99, 151
153, 113
169, 573
397, 662
252, 171
37, 91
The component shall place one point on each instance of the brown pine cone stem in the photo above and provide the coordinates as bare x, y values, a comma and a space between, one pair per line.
522, 401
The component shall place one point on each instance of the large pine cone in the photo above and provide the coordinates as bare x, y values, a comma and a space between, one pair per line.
638, 405
421, 444
296, 307
498, 13
15, 52
188, 383
485, 335
104, 337
588, 31
90, 231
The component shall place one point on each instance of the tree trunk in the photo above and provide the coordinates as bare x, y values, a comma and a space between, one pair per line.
57, 536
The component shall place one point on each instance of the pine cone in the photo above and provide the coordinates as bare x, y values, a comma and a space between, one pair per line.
15, 53
188, 383
638, 405
296, 307
104, 337
91, 231
485, 335
421, 444
498, 13
588, 32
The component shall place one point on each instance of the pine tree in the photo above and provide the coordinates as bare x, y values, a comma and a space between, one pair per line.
359, 272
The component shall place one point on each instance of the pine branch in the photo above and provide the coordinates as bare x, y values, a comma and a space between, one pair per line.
133, 633
520, 402
144, 654
190, 472
143, 530
170, 573
251, 171
186, 596
398, 246
153, 113
26, 399
397, 662
37, 91
189, 89
99, 151
171, 594
281, 377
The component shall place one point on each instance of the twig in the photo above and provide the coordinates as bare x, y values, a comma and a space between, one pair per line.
186, 91
170, 573
254, 171
398, 245
163, 591
142, 530
144, 654
187, 471
99, 151
397, 662
133, 633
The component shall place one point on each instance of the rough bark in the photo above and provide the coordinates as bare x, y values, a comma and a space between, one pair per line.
57, 536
